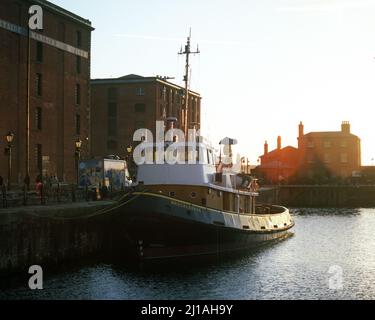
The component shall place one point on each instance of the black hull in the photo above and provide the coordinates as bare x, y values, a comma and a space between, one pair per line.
158, 227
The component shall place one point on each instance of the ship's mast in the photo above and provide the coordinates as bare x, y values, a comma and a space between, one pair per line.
187, 52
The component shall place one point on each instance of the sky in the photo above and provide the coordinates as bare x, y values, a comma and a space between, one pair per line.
264, 66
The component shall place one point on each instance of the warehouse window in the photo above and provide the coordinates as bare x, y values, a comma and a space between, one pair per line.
79, 39
140, 92
112, 109
38, 84
38, 118
78, 94
39, 52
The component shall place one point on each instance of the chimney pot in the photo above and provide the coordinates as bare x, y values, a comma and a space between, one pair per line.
265, 148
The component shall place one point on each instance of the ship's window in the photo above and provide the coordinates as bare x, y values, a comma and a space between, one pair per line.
275, 226
204, 202
172, 194
193, 194
263, 228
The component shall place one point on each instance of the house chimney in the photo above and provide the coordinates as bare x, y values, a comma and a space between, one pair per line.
345, 127
278, 142
300, 134
265, 148
300, 129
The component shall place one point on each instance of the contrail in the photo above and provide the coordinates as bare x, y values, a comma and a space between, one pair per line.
182, 39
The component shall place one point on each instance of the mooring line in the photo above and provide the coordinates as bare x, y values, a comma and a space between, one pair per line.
94, 214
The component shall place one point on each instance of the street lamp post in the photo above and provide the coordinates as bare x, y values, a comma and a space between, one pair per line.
129, 159
9, 137
78, 145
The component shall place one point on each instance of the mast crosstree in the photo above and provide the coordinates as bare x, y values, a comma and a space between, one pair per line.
187, 52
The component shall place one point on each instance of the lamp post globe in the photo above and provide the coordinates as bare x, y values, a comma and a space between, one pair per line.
78, 145
10, 137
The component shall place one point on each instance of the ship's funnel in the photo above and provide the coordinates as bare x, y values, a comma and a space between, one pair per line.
228, 141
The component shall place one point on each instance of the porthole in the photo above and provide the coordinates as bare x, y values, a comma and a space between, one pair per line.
172, 193
193, 194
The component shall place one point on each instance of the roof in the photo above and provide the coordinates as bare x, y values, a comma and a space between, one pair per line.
131, 76
134, 78
273, 152
61, 11
331, 134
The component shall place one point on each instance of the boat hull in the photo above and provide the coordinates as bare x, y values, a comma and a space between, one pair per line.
160, 227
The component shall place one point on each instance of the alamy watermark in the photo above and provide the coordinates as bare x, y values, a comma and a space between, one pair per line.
36, 17
170, 147
335, 281
36, 280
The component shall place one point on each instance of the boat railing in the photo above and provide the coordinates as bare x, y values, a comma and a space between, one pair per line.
269, 209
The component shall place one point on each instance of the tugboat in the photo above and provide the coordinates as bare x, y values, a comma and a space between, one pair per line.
185, 210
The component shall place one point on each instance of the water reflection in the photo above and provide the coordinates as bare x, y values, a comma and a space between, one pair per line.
294, 268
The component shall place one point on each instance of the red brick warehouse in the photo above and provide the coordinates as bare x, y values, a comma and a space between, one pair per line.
122, 105
59, 89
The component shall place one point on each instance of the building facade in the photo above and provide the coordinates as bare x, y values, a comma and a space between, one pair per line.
320, 157
122, 105
278, 165
59, 89
330, 153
